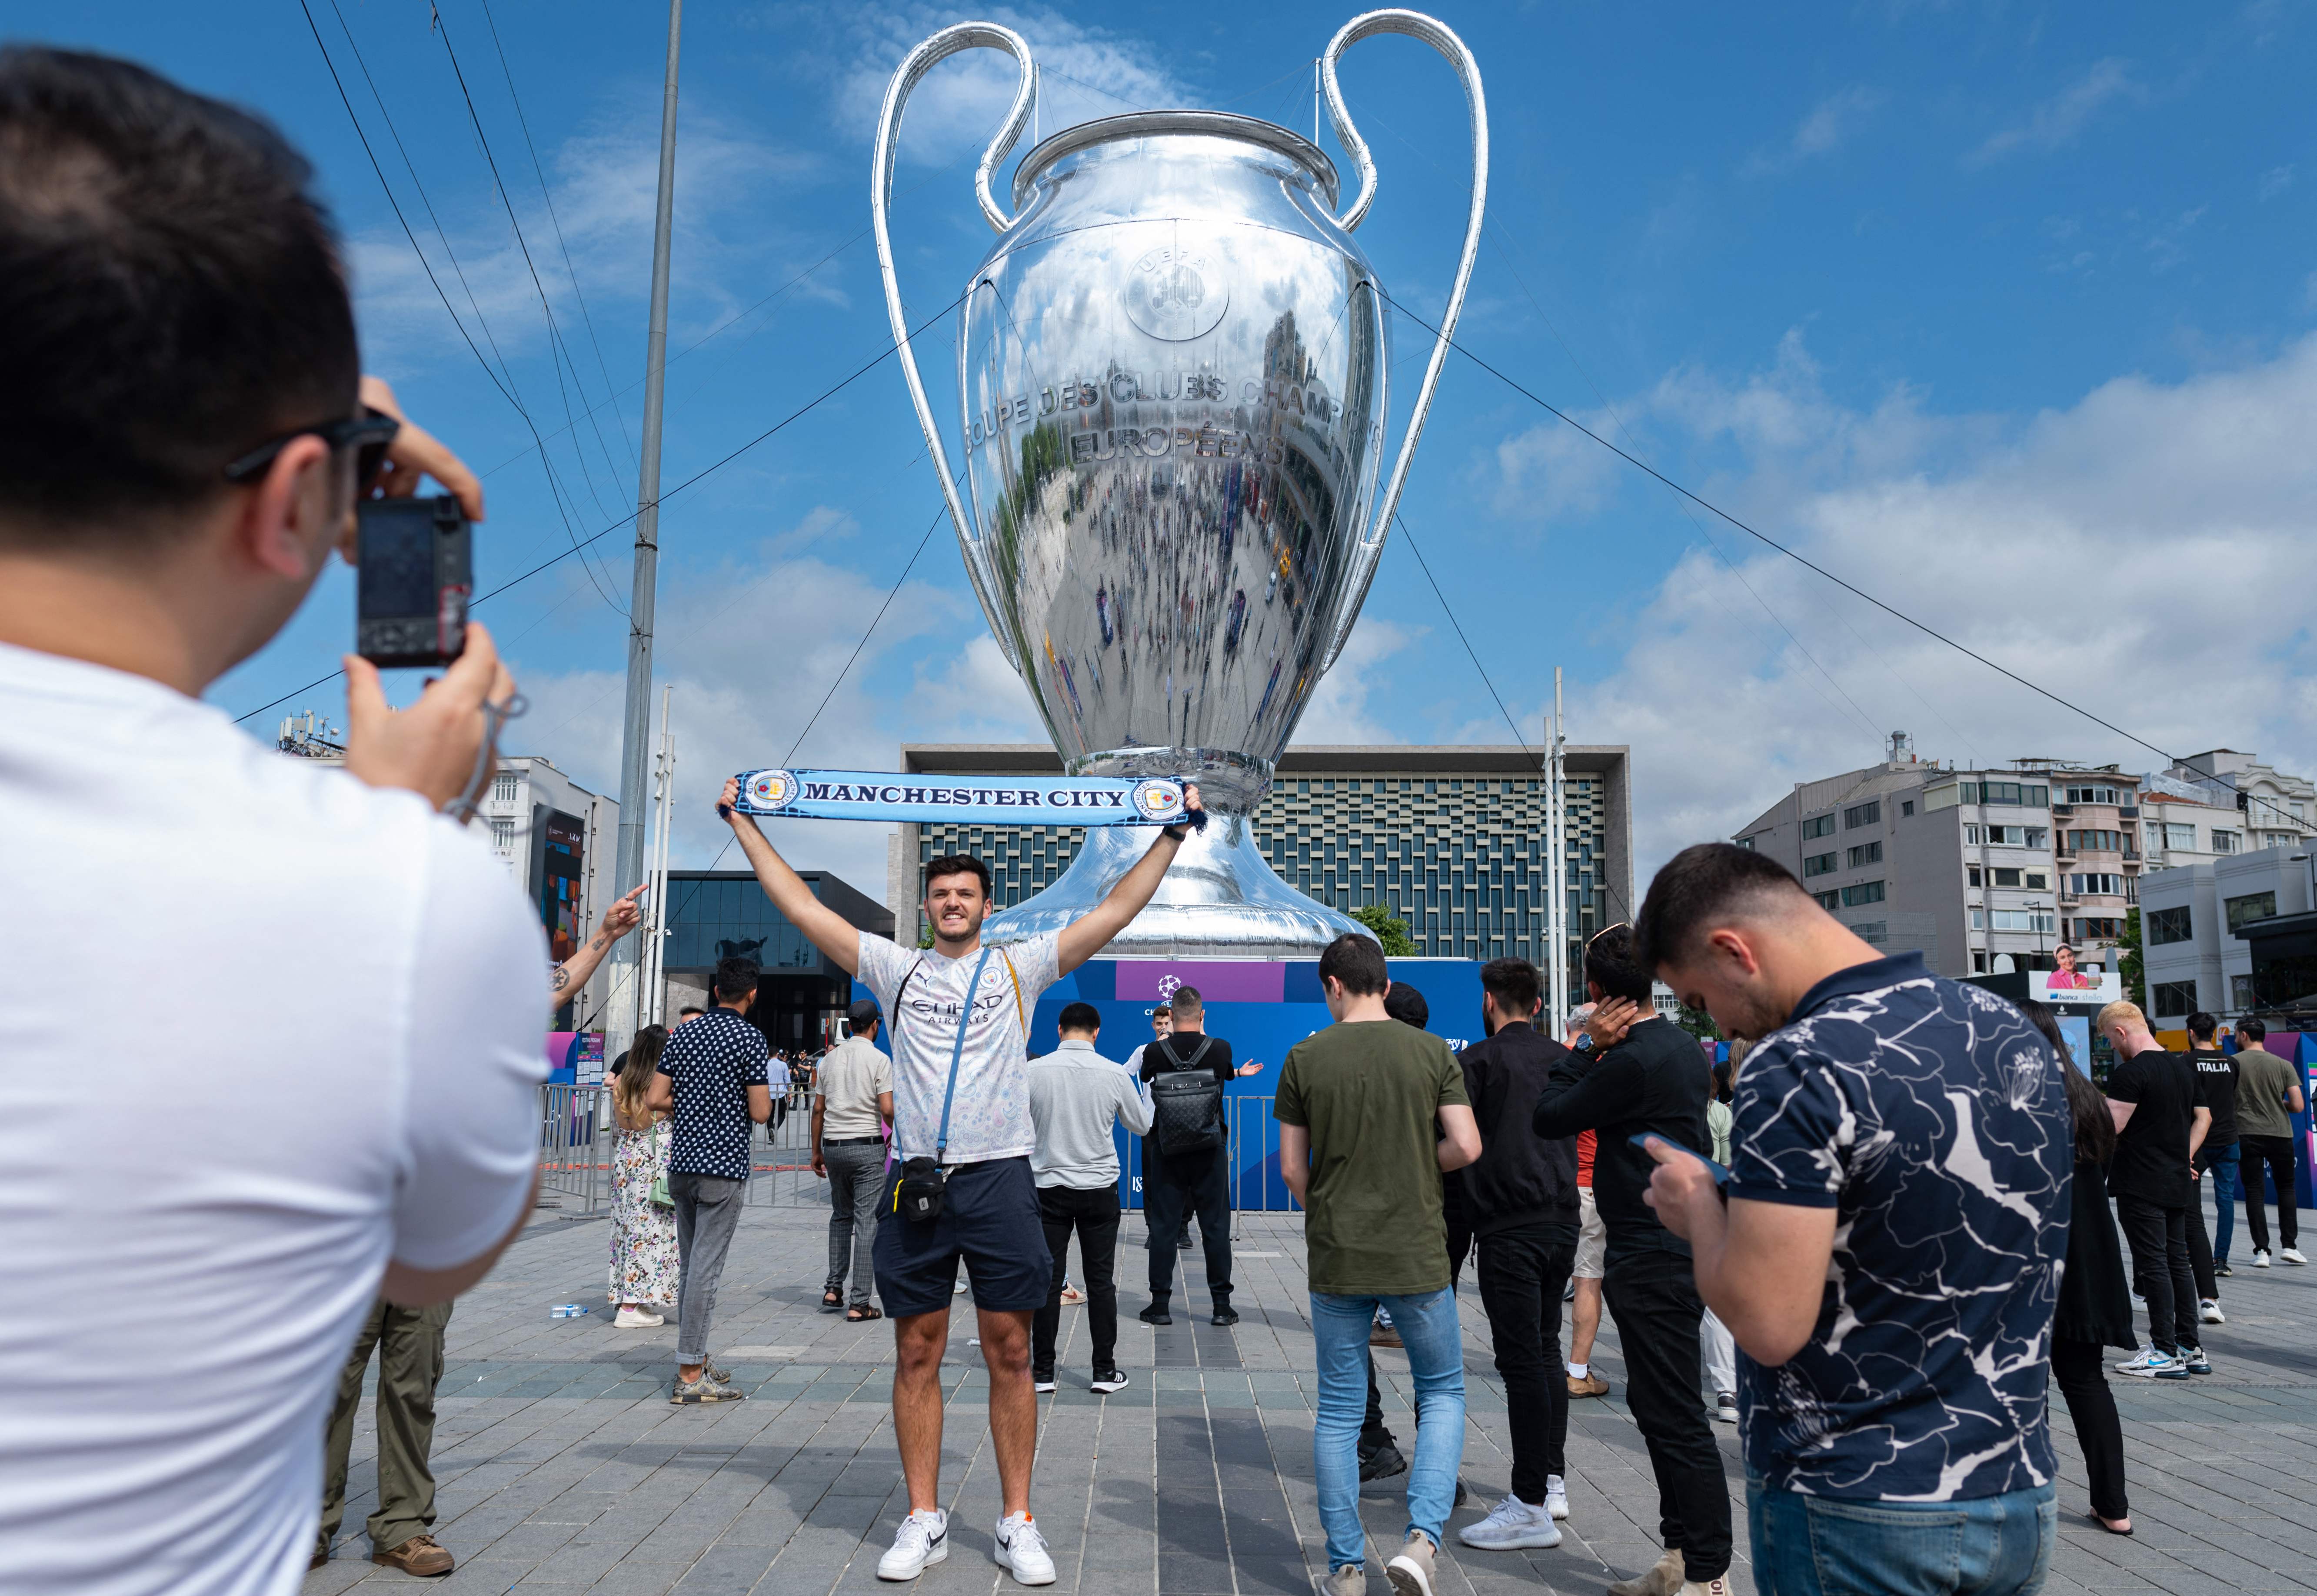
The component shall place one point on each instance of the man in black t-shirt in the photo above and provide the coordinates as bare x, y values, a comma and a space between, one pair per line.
2158, 1121
1179, 1185
2216, 1157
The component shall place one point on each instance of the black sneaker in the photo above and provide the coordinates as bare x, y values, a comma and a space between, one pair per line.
2221, 1268
1041, 1380
1461, 1493
1381, 1463
1108, 1380
1156, 1314
1225, 1316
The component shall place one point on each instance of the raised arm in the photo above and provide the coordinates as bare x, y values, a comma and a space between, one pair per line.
1091, 932
618, 920
828, 930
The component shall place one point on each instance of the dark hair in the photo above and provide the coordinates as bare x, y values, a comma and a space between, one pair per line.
1703, 880
863, 1014
1357, 961
1079, 1016
1725, 1072
1186, 1002
640, 1063
690, 1008
1610, 964
2201, 1025
2251, 1030
943, 864
736, 978
2094, 1127
1405, 1004
170, 294
1513, 983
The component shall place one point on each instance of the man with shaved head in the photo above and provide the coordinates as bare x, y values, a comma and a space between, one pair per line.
1888, 1247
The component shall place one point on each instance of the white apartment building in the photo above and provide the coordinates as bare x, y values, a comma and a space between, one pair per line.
2190, 917
2279, 811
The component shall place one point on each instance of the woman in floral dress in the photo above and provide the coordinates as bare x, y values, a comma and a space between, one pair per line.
643, 1234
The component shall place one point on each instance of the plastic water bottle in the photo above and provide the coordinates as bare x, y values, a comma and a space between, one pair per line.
568, 1311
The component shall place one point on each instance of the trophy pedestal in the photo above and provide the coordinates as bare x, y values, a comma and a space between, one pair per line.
1221, 900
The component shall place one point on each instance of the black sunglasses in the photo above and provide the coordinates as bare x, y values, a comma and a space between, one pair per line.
371, 433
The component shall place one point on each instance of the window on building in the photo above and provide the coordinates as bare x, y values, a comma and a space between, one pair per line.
1972, 872
1820, 865
2252, 907
1747, 843
503, 787
1829, 899
1978, 918
2038, 837
1863, 814
2021, 795
2035, 880
2169, 925
2020, 919
1906, 806
1979, 961
1866, 853
1945, 796
2098, 794
1818, 825
2241, 993
2174, 998
2177, 834
503, 836
1974, 835
2224, 842
2006, 876
1865, 891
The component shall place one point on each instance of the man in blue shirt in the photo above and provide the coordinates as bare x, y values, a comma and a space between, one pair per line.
1889, 1247
712, 1075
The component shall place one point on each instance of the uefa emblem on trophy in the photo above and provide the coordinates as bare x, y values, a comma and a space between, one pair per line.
1172, 403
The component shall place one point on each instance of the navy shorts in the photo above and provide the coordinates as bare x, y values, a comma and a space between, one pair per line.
990, 1218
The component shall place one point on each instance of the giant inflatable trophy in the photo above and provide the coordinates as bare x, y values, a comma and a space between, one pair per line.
1173, 381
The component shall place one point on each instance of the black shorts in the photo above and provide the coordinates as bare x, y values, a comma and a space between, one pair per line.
990, 1218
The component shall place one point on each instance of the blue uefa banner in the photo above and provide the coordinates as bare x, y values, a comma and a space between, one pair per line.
966, 799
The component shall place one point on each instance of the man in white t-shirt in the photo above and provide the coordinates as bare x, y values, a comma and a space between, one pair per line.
981, 1134
1162, 1026
307, 1075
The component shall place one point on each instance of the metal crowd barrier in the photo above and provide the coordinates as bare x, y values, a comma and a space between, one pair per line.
576, 1139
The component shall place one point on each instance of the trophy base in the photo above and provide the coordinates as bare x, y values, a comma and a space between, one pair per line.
1220, 900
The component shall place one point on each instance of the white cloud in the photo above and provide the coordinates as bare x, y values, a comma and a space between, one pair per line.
2058, 120
2273, 183
2121, 552
1338, 711
1828, 126
1551, 470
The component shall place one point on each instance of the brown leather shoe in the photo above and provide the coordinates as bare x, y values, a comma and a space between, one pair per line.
321, 1559
1592, 1384
421, 1554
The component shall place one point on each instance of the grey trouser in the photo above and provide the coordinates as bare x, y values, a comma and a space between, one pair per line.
707, 1212
856, 1179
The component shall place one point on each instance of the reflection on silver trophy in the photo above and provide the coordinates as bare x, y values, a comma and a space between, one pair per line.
1174, 390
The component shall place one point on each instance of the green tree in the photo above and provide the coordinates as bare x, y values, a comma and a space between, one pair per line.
2128, 963
1698, 1024
1393, 933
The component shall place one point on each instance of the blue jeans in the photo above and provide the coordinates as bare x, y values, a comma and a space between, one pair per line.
1435, 1360
1818, 1546
2224, 1168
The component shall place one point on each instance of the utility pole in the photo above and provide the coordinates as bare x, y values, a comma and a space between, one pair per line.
635, 751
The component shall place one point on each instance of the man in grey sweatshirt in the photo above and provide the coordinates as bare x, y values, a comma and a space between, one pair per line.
1076, 1095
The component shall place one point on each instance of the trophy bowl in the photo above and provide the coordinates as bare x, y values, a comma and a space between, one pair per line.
1174, 385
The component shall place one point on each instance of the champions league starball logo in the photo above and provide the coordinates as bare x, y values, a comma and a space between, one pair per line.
1157, 799
771, 789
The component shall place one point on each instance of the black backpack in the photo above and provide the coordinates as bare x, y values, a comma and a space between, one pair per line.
1187, 1105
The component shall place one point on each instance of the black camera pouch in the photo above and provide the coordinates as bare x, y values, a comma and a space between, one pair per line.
917, 1196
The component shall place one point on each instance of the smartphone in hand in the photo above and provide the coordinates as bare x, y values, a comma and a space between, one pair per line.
1642, 1139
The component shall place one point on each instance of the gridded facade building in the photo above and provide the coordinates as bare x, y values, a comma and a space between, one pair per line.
1450, 839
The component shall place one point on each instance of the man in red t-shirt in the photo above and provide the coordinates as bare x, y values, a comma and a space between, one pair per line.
1592, 1239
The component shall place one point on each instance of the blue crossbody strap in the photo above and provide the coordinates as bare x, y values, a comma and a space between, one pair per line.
957, 1053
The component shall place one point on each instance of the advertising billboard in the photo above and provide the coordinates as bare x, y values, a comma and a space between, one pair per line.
562, 854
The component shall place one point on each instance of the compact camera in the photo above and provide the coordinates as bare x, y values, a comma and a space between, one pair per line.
416, 576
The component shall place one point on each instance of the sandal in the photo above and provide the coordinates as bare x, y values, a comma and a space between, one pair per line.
862, 1314
832, 1300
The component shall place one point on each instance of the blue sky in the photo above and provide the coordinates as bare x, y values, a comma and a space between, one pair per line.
2008, 313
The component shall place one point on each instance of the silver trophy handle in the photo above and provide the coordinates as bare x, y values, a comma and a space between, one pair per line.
1442, 38
949, 41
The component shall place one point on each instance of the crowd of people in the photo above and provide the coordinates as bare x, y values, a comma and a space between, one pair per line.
1880, 1236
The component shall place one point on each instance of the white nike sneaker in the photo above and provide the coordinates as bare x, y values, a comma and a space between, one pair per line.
1556, 1496
2260, 1258
922, 1540
2291, 1255
1511, 1526
2208, 1312
1021, 1551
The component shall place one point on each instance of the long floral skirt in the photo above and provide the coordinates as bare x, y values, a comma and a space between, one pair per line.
643, 1237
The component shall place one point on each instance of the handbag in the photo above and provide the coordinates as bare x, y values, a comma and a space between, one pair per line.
659, 1196
917, 1194
1188, 1105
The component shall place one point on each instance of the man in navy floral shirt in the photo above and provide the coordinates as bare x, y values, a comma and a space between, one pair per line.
1888, 1249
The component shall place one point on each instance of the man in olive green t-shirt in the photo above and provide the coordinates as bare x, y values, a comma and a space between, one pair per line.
2268, 1094
1357, 1105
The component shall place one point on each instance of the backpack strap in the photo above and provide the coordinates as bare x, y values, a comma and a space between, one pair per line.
1206, 1044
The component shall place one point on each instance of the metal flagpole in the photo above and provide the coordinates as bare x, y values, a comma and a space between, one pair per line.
634, 744
651, 1005
1556, 833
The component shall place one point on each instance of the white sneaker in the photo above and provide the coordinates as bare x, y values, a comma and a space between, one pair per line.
1556, 1496
2208, 1312
923, 1539
2260, 1258
1512, 1525
1021, 1551
629, 1318
2291, 1255
1725, 1406
2152, 1365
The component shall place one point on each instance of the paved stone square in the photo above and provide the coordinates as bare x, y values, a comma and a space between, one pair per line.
561, 1464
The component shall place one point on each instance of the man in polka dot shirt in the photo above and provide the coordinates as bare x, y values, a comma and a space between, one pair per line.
953, 1003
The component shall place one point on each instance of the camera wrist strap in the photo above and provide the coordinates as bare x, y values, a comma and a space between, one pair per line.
957, 1053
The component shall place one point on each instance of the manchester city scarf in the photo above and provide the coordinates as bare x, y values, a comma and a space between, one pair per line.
968, 799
